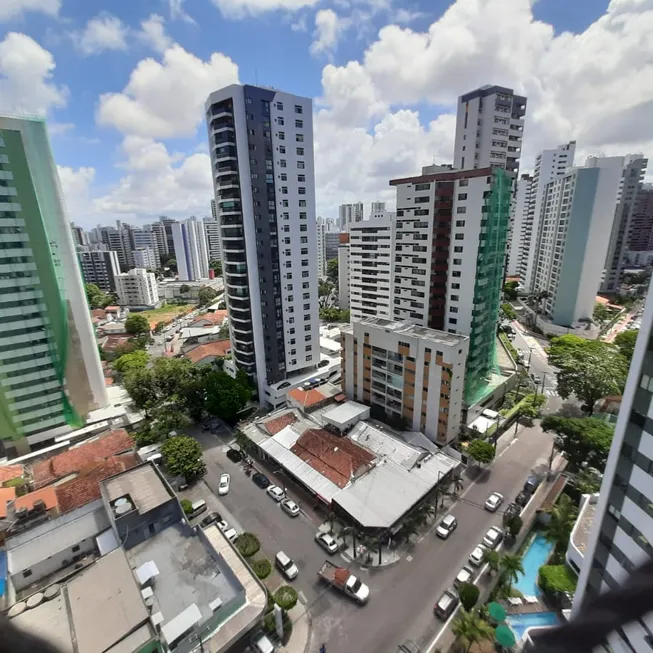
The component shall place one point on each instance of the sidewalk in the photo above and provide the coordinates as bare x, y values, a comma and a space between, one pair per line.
301, 630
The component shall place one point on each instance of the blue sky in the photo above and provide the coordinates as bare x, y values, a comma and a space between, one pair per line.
385, 75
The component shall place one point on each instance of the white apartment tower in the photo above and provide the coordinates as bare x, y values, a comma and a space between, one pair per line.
321, 227
190, 249
377, 210
137, 288
213, 246
575, 225
144, 239
145, 257
489, 129
343, 272
622, 532
549, 164
371, 253
261, 144
350, 213
521, 200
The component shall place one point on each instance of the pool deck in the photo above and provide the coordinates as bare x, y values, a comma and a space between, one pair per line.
528, 608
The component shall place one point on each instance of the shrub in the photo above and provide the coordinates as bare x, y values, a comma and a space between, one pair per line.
286, 597
556, 579
468, 594
262, 568
514, 525
247, 544
186, 506
270, 604
270, 626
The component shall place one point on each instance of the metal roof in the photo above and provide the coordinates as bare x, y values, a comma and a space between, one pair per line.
142, 484
346, 412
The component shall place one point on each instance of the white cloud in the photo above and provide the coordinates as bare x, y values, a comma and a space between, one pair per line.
406, 16
101, 33
153, 33
166, 100
242, 8
13, 9
299, 25
177, 11
76, 187
26, 84
328, 29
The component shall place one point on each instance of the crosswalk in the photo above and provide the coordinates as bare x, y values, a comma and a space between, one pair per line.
550, 392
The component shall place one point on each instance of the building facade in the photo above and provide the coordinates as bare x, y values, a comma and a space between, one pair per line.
348, 214
577, 216
519, 229
410, 376
51, 374
189, 238
213, 246
146, 239
167, 230
489, 129
99, 267
112, 239
80, 237
377, 210
622, 532
641, 226
137, 288
371, 254
331, 244
146, 258
261, 144
343, 272
320, 228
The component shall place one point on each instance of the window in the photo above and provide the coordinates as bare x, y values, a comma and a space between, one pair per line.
309, 347
306, 295
302, 204
282, 163
462, 196
299, 138
300, 151
254, 175
459, 236
284, 203
461, 209
284, 190
307, 307
301, 177
302, 215
457, 249
302, 190
304, 239
457, 261
455, 273
250, 116
300, 165
280, 121
453, 309
298, 108
463, 182
299, 124
455, 286
453, 320
422, 186
282, 149
280, 106
307, 339
304, 273
27, 573
282, 136
284, 176
251, 132
454, 298
75, 548
309, 357
248, 100
460, 223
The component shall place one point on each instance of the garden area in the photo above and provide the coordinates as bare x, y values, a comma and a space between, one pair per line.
166, 313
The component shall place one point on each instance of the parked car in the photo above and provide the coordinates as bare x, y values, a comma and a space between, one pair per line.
327, 542
446, 527
211, 518
223, 526
197, 508
290, 507
513, 510
276, 492
494, 501
408, 646
465, 575
476, 556
446, 604
531, 484
231, 534
261, 480
234, 455
225, 482
493, 537
261, 643
286, 566
522, 499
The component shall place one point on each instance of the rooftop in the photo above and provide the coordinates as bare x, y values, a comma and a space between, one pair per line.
215, 318
307, 398
7, 494
9, 472
407, 328
142, 484
47, 494
584, 521
345, 412
277, 424
218, 348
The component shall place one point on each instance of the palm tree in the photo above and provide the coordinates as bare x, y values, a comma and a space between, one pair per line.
562, 518
511, 566
469, 629
492, 559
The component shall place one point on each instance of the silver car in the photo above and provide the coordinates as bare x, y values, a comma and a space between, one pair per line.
327, 542
493, 537
290, 507
494, 501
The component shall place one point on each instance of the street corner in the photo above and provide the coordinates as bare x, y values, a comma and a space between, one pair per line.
301, 629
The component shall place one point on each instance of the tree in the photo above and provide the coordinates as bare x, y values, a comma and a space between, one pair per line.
585, 441
589, 369
224, 397
286, 597
492, 558
556, 579
601, 313
216, 266
159, 326
530, 406
184, 289
468, 594
206, 295
136, 324
587, 481
510, 290
513, 526
128, 363
507, 312
625, 341
166, 419
332, 271
562, 519
481, 452
183, 457
145, 436
325, 294
510, 566
469, 629
331, 314
186, 506
140, 386
95, 297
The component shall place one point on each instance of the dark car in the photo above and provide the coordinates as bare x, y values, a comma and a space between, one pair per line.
234, 455
408, 646
211, 518
522, 499
531, 484
513, 510
261, 480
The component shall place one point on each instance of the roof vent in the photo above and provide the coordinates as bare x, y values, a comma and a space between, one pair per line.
122, 505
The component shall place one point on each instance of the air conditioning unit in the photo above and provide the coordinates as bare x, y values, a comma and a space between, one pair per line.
39, 506
21, 513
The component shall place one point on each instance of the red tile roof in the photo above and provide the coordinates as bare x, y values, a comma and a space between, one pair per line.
86, 487
46, 494
307, 398
112, 309
218, 348
7, 494
113, 342
72, 461
8, 472
218, 317
275, 425
335, 457
99, 313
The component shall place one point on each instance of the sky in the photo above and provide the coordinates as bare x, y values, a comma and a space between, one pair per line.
122, 85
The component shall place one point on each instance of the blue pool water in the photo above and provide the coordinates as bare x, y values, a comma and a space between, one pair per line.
521, 622
536, 555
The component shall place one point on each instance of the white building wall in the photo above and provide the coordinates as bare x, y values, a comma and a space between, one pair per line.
137, 288
212, 231
343, 276
321, 252
518, 218
145, 258
350, 213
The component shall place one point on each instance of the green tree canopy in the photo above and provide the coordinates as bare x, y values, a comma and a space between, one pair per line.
331, 314
492, 558
216, 266
562, 519
470, 628
531, 406
481, 451
510, 289
183, 457
583, 440
510, 566
159, 327
589, 369
95, 297
225, 397
166, 419
136, 324
601, 313
507, 312
468, 593
135, 360
556, 579
206, 295
184, 288
332, 271
625, 341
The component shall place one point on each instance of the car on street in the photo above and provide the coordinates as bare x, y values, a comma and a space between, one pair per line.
326, 541
446, 604
261, 480
276, 492
476, 556
531, 484
446, 527
225, 482
286, 566
261, 643
465, 575
290, 507
522, 499
211, 518
493, 537
494, 501
513, 510
223, 526
234, 455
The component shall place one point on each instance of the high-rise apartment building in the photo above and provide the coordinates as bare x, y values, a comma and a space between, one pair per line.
489, 129
331, 243
519, 230
450, 243
320, 228
158, 229
634, 169
112, 239
51, 374
167, 230
80, 237
190, 250
213, 245
146, 258
144, 239
99, 267
641, 226
549, 165
621, 536
343, 271
348, 214
137, 288
575, 225
407, 374
371, 254
377, 210
261, 144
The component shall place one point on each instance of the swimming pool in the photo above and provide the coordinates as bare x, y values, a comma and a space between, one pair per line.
536, 555
521, 622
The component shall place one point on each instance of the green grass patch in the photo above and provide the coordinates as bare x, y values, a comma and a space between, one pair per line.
508, 345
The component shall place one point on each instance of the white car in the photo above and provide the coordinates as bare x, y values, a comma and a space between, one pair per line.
290, 507
476, 556
276, 492
494, 501
493, 537
223, 526
465, 575
231, 534
225, 482
446, 527
327, 542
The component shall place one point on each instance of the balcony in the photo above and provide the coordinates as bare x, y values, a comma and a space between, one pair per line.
223, 170
227, 183
232, 233
221, 113
238, 270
